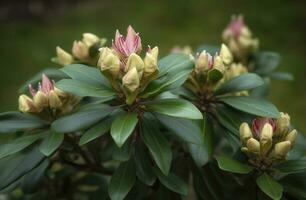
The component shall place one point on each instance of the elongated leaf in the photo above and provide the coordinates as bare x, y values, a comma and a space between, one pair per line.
86, 74
266, 62
54, 74
122, 181
81, 89
179, 127
122, 154
123, 126
269, 186
96, 131
158, 146
82, 119
51, 143
244, 82
252, 105
16, 121
198, 153
231, 165
283, 76
172, 182
175, 108
18, 144
292, 166
174, 62
14, 167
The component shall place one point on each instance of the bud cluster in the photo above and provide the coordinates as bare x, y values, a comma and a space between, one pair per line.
239, 39
269, 140
47, 100
125, 69
84, 51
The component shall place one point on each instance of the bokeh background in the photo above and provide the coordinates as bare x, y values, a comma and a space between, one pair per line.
30, 31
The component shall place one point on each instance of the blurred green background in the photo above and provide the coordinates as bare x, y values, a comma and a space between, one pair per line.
30, 31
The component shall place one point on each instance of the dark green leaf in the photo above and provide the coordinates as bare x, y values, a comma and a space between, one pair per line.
252, 105
82, 119
18, 144
123, 126
266, 62
122, 181
198, 153
231, 165
175, 108
51, 143
269, 186
244, 82
158, 146
123, 153
172, 182
81, 89
283, 76
15, 166
292, 166
16, 121
215, 75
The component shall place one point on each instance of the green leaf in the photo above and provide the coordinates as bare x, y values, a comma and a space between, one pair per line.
175, 108
81, 89
14, 167
244, 82
269, 186
231, 165
123, 126
259, 107
283, 76
172, 182
265, 62
144, 169
96, 131
198, 153
122, 154
215, 75
292, 166
158, 146
18, 144
86, 74
16, 121
54, 74
82, 119
51, 143
122, 181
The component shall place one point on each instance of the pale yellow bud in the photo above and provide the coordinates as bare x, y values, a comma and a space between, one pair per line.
218, 64
130, 80
283, 123
245, 32
109, 62
63, 57
245, 132
226, 55
60, 93
292, 137
90, 39
266, 138
54, 100
281, 149
154, 52
80, 50
245, 42
40, 100
25, 103
201, 64
134, 61
150, 63
253, 146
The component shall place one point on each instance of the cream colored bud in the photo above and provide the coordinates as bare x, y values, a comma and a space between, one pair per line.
266, 138
226, 55
25, 103
54, 100
281, 149
245, 132
40, 100
253, 146
63, 57
134, 61
60, 93
283, 123
201, 63
90, 39
245, 42
150, 63
245, 32
154, 52
218, 64
130, 80
80, 50
109, 62
292, 137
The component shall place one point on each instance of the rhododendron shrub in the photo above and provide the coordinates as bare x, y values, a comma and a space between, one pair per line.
120, 121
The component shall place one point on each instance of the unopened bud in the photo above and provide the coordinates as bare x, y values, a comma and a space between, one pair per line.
245, 133
40, 100
202, 62
25, 103
109, 62
60, 93
80, 50
266, 138
283, 123
134, 61
130, 80
63, 57
292, 137
90, 39
226, 55
281, 149
253, 146
150, 62
54, 100
218, 64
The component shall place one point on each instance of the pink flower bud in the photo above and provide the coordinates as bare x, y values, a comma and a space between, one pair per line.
258, 124
45, 86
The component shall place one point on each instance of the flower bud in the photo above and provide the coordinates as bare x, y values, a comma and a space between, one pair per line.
292, 137
283, 123
266, 138
253, 146
90, 39
134, 61
218, 64
54, 100
60, 93
25, 103
40, 100
203, 62
109, 62
63, 57
226, 55
150, 62
281, 149
245, 133
80, 50
130, 80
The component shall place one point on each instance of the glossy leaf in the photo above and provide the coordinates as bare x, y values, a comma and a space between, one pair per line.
51, 143
292, 166
231, 165
269, 186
